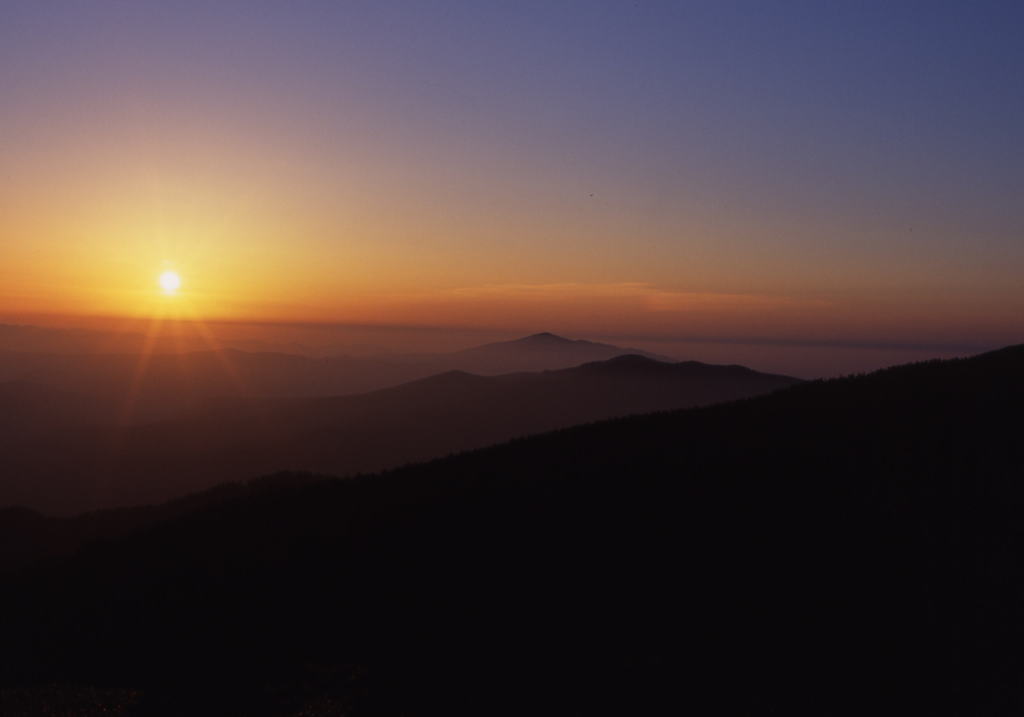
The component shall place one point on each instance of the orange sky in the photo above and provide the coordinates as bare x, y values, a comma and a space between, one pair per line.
290, 175
256, 235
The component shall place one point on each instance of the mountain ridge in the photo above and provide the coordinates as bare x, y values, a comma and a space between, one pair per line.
238, 437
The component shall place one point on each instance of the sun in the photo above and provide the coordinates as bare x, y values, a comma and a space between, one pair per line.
170, 282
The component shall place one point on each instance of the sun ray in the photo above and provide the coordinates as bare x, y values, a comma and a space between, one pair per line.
153, 334
119, 430
215, 346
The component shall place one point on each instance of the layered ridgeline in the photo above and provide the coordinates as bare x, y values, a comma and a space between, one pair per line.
847, 547
116, 378
77, 469
529, 353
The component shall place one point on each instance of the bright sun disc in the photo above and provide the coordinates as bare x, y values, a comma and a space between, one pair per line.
170, 282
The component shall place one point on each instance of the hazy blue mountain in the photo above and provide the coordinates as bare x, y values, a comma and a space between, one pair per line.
234, 438
129, 386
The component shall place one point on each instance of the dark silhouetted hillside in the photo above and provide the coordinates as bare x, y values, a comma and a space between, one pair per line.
27, 535
235, 439
847, 547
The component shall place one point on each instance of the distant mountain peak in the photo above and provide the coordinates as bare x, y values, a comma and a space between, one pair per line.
547, 336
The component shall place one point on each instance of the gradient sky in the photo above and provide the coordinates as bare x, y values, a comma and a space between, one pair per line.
795, 171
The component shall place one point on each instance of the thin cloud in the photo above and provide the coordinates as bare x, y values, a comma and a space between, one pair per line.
635, 294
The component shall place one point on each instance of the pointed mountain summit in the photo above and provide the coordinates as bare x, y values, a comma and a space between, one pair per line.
547, 337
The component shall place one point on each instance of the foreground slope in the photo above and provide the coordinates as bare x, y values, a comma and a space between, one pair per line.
840, 548
239, 439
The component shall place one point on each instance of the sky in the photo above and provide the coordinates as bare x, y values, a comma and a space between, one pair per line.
782, 173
